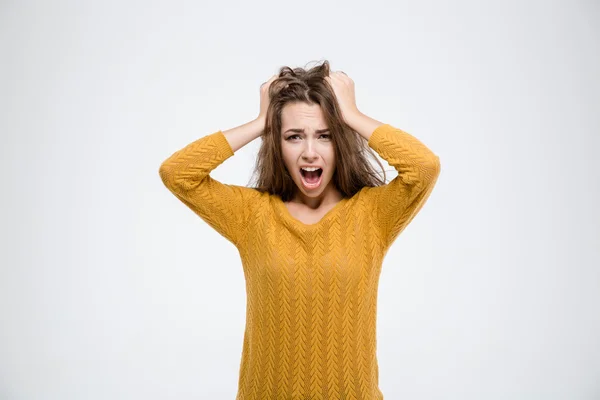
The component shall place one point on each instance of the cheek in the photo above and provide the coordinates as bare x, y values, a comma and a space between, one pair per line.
331, 162
287, 150
288, 161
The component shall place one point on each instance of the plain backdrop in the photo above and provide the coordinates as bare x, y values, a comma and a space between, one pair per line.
111, 288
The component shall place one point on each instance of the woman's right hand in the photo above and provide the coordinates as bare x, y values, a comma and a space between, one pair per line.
264, 98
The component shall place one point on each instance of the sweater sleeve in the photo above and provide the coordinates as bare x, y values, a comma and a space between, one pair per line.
396, 203
186, 175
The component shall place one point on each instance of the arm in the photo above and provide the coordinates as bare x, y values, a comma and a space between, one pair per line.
396, 203
186, 174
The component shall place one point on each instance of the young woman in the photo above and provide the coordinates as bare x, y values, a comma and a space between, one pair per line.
313, 232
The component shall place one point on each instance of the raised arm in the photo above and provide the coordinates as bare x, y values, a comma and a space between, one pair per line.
396, 203
186, 174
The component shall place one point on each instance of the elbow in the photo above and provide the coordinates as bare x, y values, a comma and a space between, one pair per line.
166, 176
431, 170
435, 164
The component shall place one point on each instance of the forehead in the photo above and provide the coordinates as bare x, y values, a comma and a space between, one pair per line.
302, 115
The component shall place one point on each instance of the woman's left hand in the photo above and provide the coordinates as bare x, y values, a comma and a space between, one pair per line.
343, 87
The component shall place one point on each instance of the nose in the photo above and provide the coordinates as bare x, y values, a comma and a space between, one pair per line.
309, 154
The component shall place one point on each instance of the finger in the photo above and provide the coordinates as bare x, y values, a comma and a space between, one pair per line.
270, 80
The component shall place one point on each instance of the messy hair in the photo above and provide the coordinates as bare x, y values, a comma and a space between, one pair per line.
353, 170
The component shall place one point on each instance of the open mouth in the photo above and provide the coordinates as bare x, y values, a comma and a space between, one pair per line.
311, 177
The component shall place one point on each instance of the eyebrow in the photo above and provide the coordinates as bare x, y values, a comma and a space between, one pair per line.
297, 130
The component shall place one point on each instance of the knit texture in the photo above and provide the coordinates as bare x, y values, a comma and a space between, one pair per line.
311, 288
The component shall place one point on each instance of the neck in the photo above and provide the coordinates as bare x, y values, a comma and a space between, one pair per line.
329, 196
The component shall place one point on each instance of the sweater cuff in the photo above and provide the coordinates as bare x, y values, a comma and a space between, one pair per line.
374, 139
222, 144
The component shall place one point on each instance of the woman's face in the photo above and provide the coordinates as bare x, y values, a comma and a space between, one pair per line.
306, 141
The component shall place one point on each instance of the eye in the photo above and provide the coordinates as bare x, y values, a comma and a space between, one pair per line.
327, 137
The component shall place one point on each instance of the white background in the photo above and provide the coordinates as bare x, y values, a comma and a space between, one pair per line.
110, 288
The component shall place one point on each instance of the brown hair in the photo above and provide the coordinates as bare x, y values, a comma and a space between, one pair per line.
353, 170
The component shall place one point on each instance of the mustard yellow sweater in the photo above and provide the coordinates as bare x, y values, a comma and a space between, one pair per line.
311, 289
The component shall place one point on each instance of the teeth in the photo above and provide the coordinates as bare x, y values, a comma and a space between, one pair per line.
310, 169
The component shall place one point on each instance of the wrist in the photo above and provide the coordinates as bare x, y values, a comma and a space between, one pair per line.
260, 122
363, 124
354, 118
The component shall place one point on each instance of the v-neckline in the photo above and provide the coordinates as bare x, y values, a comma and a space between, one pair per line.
296, 222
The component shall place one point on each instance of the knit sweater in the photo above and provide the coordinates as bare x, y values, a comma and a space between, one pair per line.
311, 289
